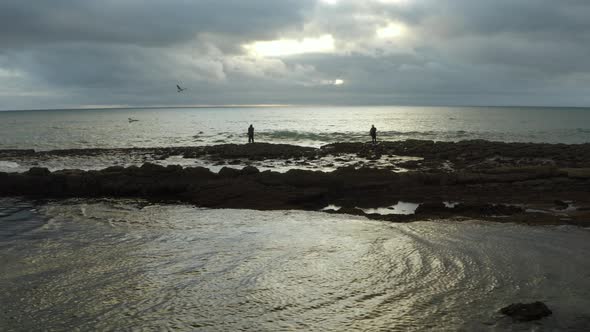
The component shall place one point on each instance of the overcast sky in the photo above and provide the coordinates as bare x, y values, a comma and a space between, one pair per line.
84, 53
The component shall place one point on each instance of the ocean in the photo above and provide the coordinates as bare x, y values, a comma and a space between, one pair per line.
130, 264
309, 126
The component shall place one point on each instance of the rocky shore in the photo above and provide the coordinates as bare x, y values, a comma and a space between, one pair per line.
516, 182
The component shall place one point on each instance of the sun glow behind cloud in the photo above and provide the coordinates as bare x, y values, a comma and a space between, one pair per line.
389, 2
392, 30
335, 82
284, 47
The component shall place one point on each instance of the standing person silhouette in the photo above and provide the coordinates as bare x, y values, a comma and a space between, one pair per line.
251, 134
373, 133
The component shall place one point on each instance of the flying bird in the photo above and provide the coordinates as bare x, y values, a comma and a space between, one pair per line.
132, 120
179, 89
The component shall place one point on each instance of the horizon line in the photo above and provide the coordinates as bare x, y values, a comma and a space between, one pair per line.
221, 106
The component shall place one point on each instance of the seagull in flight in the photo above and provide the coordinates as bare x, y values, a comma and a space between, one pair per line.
179, 89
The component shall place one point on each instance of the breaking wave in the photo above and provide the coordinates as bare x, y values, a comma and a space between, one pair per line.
331, 137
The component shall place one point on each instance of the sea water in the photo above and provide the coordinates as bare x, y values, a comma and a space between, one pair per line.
126, 264
130, 265
310, 126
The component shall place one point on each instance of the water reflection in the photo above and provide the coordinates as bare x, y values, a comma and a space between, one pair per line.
127, 264
403, 208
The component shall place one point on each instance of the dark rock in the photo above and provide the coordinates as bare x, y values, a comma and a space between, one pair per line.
561, 205
229, 172
471, 180
410, 164
16, 153
174, 168
38, 171
258, 151
486, 209
351, 211
152, 168
462, 153
309, 199
431, 208
77, 172
132, 169
199, 172
249, 170
371, 152
114, 169
526, 311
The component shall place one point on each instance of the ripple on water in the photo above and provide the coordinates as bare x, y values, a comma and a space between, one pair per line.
163, 267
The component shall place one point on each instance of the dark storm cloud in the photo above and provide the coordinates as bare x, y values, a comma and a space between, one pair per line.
64, 53
145, 22
541, 18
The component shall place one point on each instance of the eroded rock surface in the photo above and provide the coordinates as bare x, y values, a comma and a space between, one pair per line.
481, 195
486, 179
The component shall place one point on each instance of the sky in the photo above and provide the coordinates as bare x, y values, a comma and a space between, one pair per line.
86, 53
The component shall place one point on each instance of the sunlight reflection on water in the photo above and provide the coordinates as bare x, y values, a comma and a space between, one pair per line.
61, 129
124, 264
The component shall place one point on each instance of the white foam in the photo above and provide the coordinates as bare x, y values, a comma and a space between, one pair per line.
8, 164
331, 207
450, 205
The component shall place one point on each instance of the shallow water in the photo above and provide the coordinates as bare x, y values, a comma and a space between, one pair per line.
404, 208
114, 264
313, 126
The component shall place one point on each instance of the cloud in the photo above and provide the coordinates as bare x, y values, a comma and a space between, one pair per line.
142, 22
69, 53
283, 47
